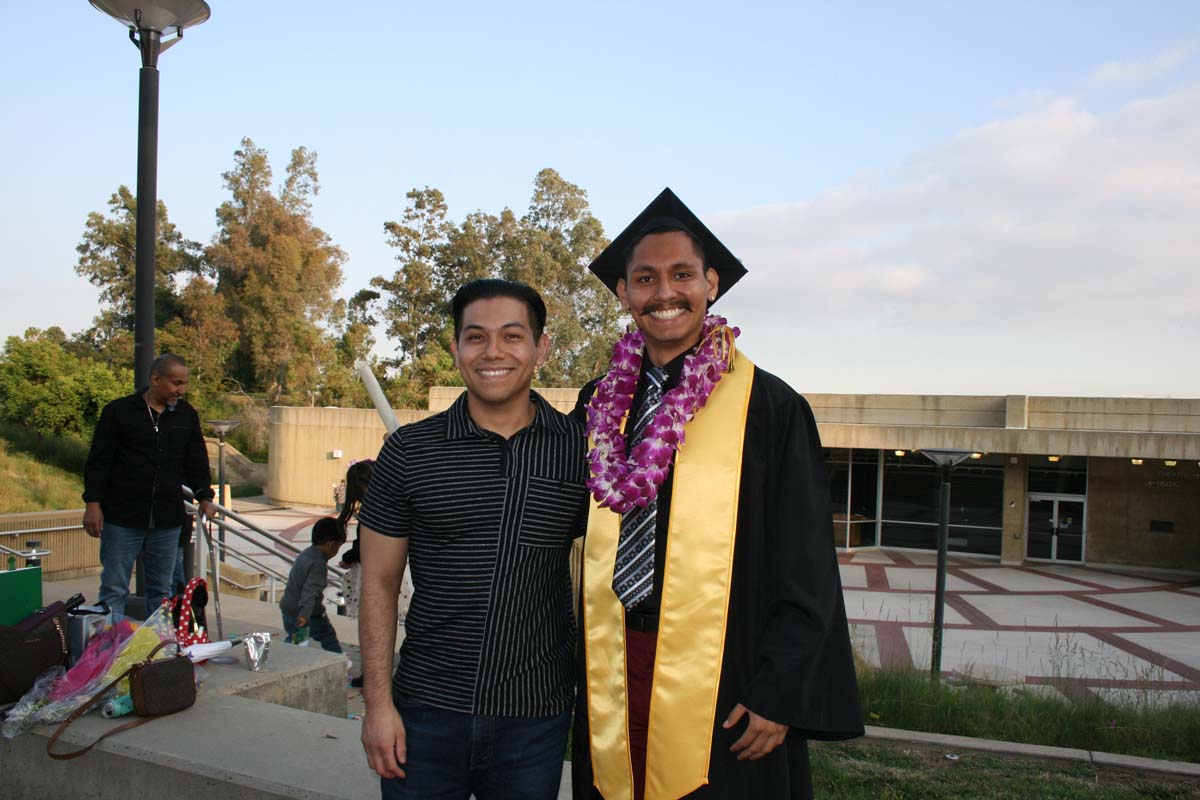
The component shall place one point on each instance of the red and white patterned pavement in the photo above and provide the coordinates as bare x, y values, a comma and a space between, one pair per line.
1128, 635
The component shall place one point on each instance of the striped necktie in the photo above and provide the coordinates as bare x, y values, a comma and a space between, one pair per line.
633, 576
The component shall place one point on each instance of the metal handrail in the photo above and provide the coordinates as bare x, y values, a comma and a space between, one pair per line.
238, 518
334, 572
31, 531
249, 561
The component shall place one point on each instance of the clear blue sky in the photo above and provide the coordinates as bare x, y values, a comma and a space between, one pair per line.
939, 197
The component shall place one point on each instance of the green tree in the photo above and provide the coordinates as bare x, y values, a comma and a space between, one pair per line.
414, 306
278, 272
107, 258
204, 335
47, 388
554, 243
548, 248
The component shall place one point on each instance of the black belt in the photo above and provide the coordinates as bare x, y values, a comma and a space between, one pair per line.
637, 621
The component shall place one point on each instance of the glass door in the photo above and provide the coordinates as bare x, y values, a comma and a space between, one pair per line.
1055, 527
1040, 535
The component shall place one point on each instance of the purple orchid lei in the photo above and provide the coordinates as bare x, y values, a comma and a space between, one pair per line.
621, 482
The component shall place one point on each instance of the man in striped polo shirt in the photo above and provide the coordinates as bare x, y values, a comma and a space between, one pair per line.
483, 501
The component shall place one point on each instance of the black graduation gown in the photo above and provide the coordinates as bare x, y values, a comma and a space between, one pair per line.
787, 646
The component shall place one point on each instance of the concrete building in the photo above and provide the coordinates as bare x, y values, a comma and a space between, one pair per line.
1092, 480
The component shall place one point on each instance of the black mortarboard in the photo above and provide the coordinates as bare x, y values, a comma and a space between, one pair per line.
666, 213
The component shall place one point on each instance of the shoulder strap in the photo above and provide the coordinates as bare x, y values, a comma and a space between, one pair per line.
83, 709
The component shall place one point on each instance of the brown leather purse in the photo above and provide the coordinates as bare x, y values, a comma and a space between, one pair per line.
29, 648
158, 688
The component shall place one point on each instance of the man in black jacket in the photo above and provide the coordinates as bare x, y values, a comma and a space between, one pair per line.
146, 446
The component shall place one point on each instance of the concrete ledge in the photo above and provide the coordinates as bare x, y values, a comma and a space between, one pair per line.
228, 747
954, 743
250, 736
303, 678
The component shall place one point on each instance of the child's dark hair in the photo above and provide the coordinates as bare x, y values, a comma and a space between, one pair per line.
357, 478
328, 529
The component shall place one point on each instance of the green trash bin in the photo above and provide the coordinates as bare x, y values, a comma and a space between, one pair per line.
20, 594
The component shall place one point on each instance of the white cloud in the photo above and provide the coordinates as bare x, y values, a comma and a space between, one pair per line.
1124, 73
1059, 232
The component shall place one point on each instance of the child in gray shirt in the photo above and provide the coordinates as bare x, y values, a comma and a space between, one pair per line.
303, 602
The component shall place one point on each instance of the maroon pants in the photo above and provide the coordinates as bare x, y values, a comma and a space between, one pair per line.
640, 647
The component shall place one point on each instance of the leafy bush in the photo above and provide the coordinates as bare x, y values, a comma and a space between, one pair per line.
48, 389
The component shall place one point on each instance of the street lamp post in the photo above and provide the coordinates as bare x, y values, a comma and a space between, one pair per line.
946, 460
147, 21
222, 427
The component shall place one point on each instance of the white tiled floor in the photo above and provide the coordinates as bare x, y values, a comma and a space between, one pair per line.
1148, 698
852, 576
894, 607
1042, 610
1109, 579
1174, 606
1015, 580
923, 579
1183, 647
871, 557
1073, 655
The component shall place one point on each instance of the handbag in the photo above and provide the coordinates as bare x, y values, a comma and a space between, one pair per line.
158, 688
187, 613
29, 648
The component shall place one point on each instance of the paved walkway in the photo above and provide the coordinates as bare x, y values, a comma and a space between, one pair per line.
1127, 635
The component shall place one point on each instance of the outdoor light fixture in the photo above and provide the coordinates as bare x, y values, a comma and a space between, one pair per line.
148, 21
1054, 459
976, 456
1170, 462
1137, 462
222, 428
946, 461
900, 453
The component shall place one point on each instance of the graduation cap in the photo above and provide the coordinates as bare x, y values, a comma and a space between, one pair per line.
667, 213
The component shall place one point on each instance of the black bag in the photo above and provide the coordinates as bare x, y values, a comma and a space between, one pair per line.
29, 648
157, 687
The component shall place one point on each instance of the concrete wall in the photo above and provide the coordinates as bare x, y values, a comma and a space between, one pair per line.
1123, 499
1016, 508
960, 411
442, 397
73, 552
1154, 415
303, 467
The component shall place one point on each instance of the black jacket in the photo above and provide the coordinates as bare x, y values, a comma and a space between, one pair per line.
135, 473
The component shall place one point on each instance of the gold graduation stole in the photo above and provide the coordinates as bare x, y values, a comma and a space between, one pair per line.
695, 605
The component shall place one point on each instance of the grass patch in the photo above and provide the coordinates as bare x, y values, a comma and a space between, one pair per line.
245, 490
26, 484
66, 452
909, 700
865, 770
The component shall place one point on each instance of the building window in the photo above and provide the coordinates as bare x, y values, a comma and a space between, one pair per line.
1067, 475
911, 493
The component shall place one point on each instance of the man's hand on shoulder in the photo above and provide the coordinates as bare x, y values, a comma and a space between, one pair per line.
761, 736
384, 741
93, 520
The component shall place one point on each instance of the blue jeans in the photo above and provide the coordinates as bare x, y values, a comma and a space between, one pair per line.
178, 577
319, 628
452, 755
119, 549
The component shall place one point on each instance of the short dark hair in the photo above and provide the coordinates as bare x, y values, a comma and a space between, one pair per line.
666, 227
327, 529
489, 288
162, 365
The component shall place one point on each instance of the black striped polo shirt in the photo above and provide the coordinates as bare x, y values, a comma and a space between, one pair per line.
490, 524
